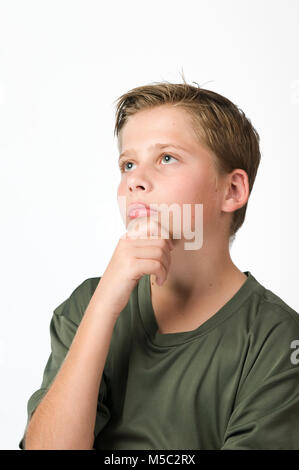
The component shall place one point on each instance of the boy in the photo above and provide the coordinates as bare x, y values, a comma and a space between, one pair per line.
203, 358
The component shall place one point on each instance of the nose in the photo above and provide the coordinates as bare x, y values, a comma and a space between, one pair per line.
138, 181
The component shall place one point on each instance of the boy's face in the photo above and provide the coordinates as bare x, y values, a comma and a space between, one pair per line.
169, 175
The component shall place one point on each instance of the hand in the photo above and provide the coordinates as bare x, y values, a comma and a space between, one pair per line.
134, 256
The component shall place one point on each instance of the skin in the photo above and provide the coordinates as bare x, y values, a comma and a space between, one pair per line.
199, 282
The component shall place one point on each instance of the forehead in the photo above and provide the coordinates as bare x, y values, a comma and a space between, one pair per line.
160, 124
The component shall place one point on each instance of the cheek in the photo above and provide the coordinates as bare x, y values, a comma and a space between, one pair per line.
183, 190
121, 189
121, 201
201, 191
189, 190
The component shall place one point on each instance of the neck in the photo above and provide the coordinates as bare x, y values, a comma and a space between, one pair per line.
199, 274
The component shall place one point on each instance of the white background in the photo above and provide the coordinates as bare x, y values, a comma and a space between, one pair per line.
62, 66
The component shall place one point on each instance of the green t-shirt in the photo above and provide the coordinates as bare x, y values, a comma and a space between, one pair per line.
232, 383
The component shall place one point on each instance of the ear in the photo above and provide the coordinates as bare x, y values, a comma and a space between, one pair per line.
237, 190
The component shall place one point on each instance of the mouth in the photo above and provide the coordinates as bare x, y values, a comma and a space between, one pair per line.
140, 210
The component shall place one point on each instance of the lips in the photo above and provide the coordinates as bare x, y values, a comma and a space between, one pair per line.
139, 209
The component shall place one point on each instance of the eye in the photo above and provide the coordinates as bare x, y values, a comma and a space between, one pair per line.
123, 163
167, 155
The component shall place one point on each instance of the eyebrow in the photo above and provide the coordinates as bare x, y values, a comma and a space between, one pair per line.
158, 145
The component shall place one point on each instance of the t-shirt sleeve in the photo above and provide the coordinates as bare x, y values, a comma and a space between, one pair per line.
63, 326
266, 414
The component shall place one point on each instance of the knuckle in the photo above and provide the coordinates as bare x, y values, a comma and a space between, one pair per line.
163, 242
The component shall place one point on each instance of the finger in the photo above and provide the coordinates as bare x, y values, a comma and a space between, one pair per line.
166, 244
150, 266
147, 227
143, 240
154, 252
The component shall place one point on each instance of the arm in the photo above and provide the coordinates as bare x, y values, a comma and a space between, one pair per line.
70, 415
65, 418
267, 419
266, 413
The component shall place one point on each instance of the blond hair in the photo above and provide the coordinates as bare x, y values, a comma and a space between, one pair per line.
219, 124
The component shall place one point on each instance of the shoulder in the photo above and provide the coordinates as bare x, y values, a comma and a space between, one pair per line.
261, 314
273, 312
265, 310
86, 288
271, 337
74, 306
270, 344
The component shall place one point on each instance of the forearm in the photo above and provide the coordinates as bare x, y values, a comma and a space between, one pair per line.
65, 418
